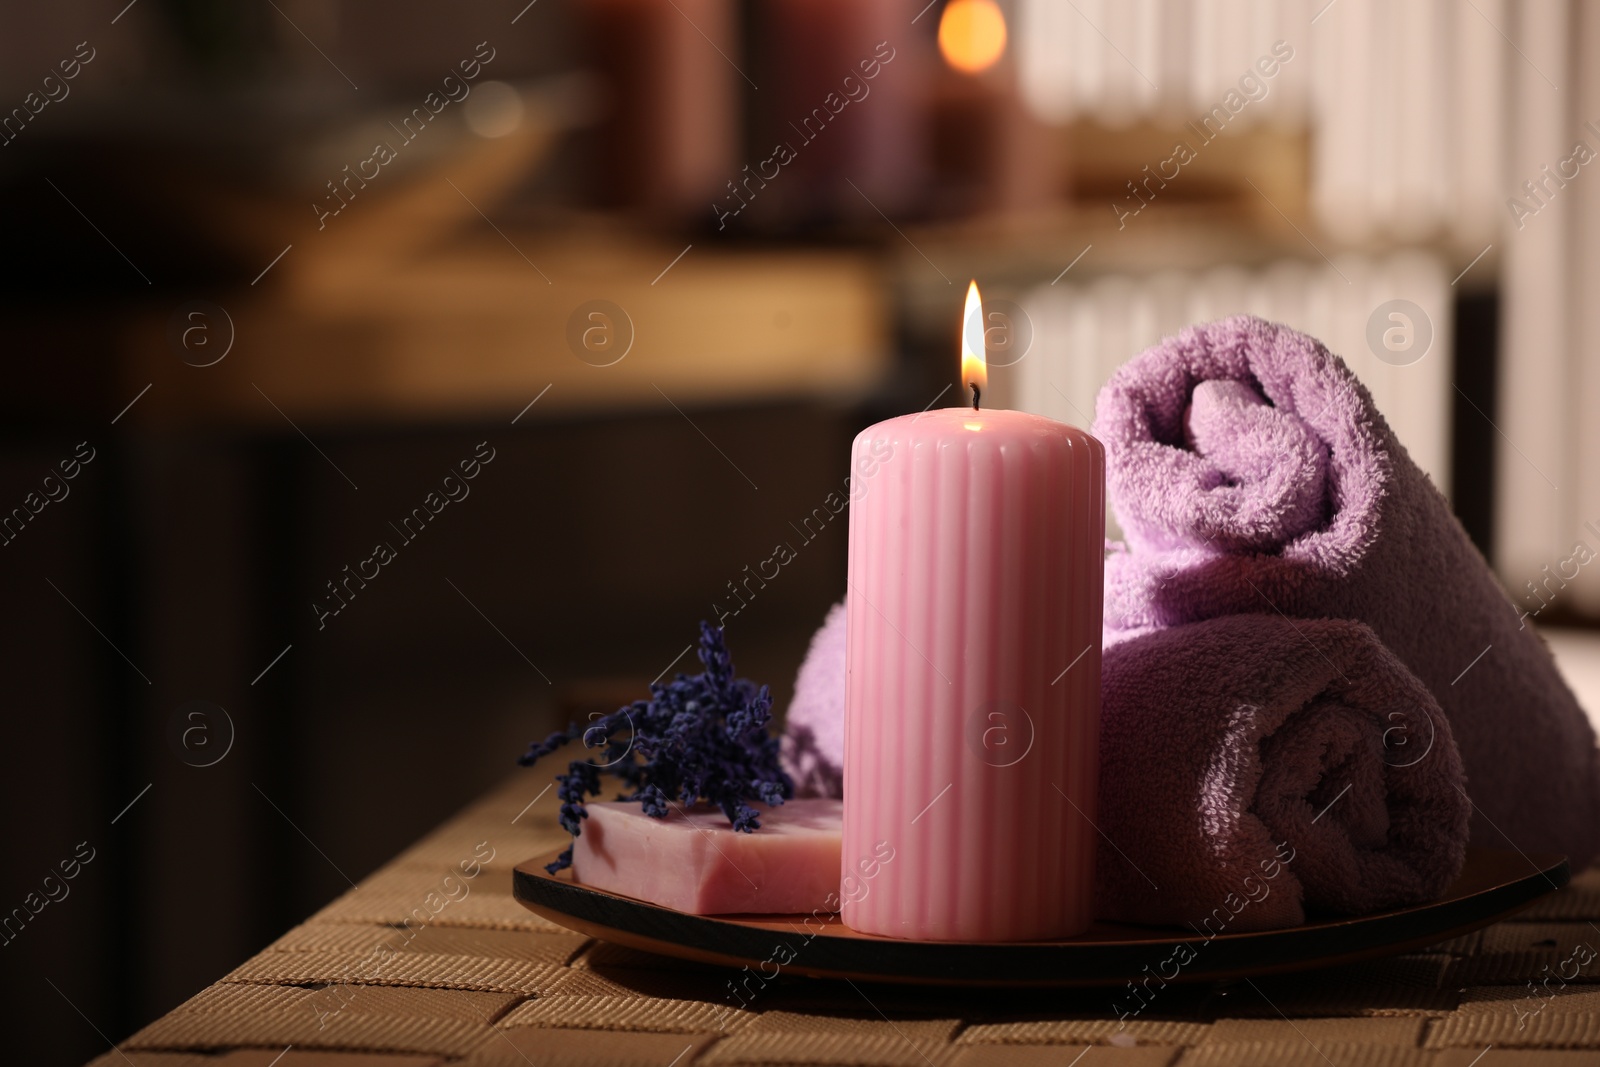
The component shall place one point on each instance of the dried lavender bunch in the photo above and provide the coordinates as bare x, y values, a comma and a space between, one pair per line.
697, 738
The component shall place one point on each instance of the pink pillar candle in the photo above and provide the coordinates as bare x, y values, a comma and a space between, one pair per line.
973, 695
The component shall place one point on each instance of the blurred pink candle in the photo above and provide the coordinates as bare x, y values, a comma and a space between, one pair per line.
973, 695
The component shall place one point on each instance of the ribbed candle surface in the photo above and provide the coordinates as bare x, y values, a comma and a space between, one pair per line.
973, 697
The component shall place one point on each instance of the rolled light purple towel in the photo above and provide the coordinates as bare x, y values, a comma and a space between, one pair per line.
813, 736
1251, 473
1251, 767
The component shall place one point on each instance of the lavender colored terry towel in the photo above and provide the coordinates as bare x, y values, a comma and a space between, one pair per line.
1253, 767
1251, 473
1225, 750
813, 734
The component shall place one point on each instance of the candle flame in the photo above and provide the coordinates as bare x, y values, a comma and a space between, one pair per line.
974, 365
972, 35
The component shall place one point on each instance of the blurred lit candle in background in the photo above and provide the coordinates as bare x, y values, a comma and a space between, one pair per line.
972, 35
843, 89
991, 155
973, 695
668, 136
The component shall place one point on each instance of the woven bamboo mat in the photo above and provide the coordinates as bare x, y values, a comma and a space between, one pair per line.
431, 961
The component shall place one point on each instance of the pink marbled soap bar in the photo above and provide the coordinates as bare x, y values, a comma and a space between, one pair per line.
698, 864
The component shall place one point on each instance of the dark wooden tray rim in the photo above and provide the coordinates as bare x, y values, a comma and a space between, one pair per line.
1493, 884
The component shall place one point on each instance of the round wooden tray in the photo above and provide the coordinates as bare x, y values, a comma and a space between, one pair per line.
1493, 884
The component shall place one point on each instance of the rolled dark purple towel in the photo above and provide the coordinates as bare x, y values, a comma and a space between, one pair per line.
1254, 767
1251, 472
1226, 750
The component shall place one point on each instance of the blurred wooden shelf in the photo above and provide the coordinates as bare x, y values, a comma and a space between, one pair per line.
475, 330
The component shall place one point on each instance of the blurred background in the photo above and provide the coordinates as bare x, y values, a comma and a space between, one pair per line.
575, 305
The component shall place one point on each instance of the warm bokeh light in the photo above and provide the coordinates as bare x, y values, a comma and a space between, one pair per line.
972, 35
974, 366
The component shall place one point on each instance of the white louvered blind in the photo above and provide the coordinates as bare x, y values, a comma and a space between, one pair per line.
1405, 100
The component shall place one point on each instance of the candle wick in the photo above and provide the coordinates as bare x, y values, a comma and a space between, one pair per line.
975, 394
